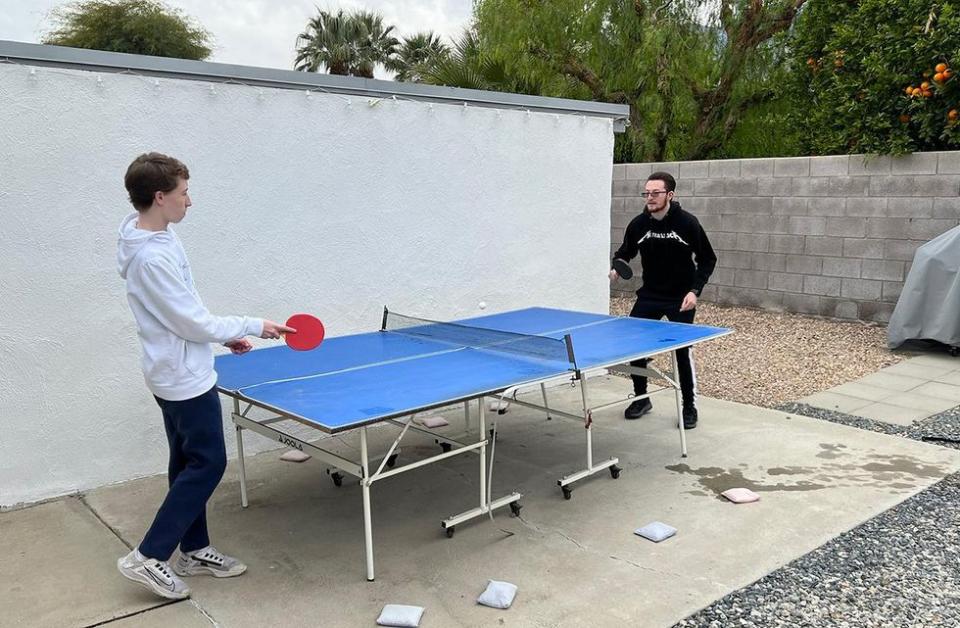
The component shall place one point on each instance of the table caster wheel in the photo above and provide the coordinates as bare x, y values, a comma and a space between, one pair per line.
392, 460
450, 531
515, 508
337, 478
567, 492
615, 471
446, 447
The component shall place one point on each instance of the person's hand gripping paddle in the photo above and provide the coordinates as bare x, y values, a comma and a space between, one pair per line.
309, 332
623, 269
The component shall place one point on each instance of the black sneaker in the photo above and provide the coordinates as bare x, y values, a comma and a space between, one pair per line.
689, 417
638, 408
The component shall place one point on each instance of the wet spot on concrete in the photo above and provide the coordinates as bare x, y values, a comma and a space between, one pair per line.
831, 450
787, 471
904, 466
880, 471
716, 480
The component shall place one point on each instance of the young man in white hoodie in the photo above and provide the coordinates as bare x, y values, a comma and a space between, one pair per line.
175, 332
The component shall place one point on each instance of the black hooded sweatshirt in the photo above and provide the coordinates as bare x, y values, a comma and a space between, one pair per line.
675, 253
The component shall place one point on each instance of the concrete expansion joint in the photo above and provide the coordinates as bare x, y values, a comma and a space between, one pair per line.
646, 568
202, 611
543, 530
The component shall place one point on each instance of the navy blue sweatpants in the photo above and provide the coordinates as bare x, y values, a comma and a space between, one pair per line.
198, 458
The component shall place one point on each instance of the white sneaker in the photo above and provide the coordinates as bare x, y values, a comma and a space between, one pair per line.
153, 574
208, 562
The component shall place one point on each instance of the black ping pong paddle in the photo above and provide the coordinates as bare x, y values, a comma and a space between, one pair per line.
623, 269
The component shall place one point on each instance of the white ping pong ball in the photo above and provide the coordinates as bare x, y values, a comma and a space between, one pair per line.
482, 305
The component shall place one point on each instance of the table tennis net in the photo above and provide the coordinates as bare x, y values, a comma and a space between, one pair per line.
525, 345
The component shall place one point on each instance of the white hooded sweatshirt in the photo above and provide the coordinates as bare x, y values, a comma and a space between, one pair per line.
175, 328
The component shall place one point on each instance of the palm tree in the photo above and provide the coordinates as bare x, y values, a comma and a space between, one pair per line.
345, 43
472, 66
416, 54
377, 44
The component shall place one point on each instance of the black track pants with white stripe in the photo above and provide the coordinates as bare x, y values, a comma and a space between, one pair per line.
656, 309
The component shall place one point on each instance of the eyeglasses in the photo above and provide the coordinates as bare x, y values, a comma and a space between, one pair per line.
653, 193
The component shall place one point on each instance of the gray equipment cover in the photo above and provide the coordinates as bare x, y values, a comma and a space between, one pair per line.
929, 305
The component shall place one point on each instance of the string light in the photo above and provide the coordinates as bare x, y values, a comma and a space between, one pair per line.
371, 101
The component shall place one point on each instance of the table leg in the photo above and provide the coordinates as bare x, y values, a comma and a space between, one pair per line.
683, 435
367, 520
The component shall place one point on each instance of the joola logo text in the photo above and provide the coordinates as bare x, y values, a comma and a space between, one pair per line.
289, 442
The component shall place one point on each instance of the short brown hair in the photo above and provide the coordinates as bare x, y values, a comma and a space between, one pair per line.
668, 181
151, 173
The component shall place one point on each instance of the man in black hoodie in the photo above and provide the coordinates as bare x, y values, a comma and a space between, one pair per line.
677, 261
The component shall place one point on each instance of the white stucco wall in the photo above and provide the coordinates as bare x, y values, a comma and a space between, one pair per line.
301, 203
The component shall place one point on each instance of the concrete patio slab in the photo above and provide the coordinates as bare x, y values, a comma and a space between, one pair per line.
939, 390
889, 413
835, 401
890, 381
922, 370
576, 562
913, 399
903, 393
59, 568
867, 392
938, 359
952, 377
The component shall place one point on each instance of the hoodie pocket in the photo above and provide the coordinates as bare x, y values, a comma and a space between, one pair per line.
198, 358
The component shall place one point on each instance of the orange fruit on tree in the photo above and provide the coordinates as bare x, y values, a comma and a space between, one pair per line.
952, 115
938, 77
941, 67
947, 74
904, 118
909, 90
927, 93
811, 61
925, 85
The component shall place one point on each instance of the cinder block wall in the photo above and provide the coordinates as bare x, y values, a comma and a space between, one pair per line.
833, 236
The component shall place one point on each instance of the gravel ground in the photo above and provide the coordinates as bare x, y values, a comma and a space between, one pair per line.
898, 569
901, 568
775, 357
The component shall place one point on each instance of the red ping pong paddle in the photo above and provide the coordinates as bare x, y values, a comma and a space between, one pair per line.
309, 332
623, 269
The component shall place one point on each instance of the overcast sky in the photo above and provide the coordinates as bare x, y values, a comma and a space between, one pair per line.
258, 32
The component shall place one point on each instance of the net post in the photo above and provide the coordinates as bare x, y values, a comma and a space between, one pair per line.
383, 323
568, 340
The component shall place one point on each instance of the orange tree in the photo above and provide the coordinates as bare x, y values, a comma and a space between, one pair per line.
875, 76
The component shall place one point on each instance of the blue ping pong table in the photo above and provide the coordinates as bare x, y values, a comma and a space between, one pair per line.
412, 365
